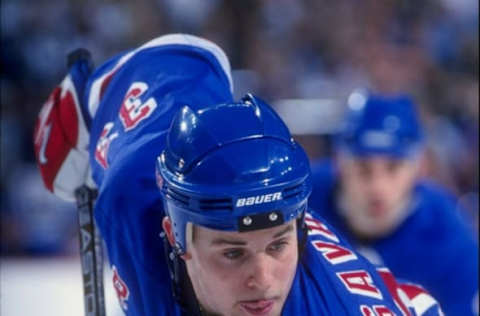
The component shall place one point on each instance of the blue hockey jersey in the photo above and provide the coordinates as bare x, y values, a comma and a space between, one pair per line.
432, 247
129, 102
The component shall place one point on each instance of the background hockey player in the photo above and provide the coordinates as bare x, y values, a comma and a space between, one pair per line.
373, 194
232, 200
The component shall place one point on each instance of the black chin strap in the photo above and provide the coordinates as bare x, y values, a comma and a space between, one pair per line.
302, 235
182, 288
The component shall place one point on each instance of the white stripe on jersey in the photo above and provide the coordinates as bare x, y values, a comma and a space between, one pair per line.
182, 39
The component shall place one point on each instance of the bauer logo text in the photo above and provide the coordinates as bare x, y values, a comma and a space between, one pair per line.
259, 199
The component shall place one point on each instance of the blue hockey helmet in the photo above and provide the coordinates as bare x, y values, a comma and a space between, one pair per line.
232, 167
376, 124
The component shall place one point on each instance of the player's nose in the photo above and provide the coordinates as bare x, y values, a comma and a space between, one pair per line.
378, 184
260, 273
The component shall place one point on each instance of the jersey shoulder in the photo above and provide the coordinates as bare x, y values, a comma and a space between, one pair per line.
344, 280
437, 211
433, 193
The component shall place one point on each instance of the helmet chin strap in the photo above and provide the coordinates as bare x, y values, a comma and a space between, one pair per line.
302, 234
182, 288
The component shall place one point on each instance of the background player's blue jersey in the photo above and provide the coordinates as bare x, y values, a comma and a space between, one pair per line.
432, 247
131, 101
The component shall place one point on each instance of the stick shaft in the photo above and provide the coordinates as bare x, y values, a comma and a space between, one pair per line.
90, 253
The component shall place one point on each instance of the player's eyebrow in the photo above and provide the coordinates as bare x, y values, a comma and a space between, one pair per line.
287, 229
223, 241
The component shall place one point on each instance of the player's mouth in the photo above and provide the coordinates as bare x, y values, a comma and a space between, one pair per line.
258, 307
377, 208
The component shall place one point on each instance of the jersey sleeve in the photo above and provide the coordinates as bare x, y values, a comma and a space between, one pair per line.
132, 100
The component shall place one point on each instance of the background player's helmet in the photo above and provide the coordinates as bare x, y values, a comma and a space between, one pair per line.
378, 124
232, 167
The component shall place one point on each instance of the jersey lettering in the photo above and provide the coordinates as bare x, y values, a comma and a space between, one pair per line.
334, 254
381, 310
359, 282
378, 310
315, 227
133, 110
366, 311
103, 144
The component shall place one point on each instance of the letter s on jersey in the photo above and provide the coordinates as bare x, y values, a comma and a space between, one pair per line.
133, 110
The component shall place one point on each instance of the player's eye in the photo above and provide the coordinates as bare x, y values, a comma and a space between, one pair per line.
394, 166
363, 169
233, 254
278, 246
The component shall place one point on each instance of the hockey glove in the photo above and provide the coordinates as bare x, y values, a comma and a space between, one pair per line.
61, 135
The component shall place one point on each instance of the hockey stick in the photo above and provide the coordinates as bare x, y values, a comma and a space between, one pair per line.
90, 253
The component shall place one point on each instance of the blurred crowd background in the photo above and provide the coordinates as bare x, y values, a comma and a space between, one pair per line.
279, 49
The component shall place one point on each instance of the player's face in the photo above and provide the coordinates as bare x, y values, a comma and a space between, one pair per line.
375, 191
243, 273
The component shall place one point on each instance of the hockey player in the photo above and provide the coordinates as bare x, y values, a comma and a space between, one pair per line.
168, 148
372, 193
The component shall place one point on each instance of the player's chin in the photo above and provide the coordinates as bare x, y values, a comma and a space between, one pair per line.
377, 210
